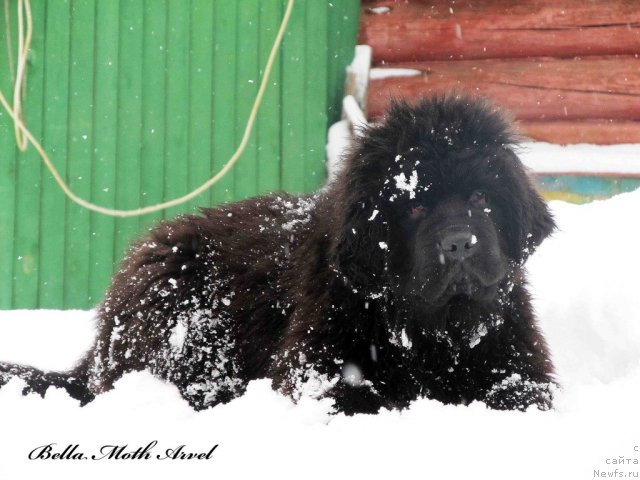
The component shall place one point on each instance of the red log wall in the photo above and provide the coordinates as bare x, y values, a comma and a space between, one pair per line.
568, 70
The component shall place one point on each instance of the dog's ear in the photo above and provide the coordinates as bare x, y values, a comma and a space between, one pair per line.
539, 220
360, 246
530, 219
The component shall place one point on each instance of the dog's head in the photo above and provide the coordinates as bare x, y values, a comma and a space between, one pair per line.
434, 202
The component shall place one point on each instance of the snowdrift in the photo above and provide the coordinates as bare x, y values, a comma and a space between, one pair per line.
585, 282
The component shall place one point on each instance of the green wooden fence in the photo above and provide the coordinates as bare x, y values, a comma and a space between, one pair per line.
139, 101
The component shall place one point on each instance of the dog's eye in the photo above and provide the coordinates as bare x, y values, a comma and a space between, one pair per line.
416, 210
479, 199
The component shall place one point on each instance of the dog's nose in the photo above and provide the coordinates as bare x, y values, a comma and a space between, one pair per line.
458, 244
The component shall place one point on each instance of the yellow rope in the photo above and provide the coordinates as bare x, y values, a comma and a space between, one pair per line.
189, 196
24, 43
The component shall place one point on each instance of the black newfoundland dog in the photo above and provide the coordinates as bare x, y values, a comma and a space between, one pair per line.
402, 279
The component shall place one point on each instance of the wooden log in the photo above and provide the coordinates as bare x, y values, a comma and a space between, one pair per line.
599, 132
471, 29
534, 89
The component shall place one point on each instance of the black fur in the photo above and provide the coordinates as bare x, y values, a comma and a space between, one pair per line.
354, 293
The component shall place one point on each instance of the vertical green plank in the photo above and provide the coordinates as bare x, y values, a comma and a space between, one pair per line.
53, 201
316, 87
129, 120
342, 23
153, 104
268, 123
149, 134
224, 109
294, 101
200, 132
80, 146
105, 121
334, 40
247, 81
28, 179
177, 111
7, 168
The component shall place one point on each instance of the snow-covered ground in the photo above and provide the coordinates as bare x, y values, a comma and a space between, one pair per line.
586, 284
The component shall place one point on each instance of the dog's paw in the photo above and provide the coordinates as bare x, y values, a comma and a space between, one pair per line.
518, 393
